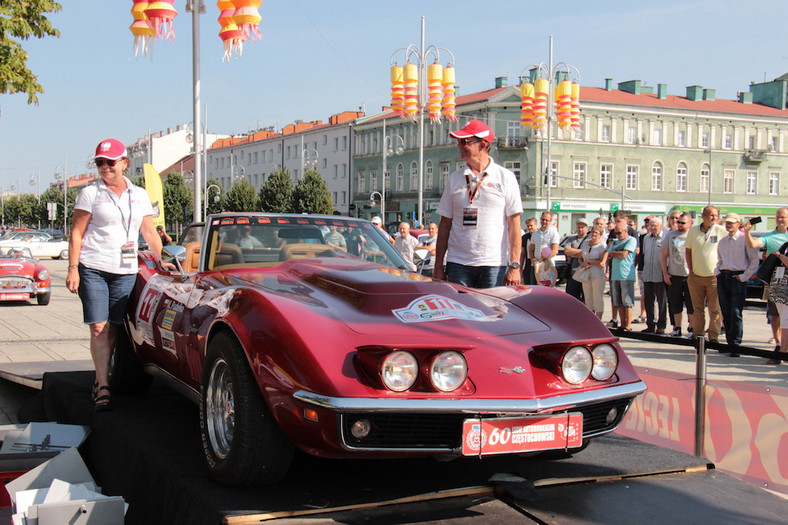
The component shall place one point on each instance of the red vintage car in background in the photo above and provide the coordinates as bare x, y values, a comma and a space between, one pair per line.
23, 277
309, 332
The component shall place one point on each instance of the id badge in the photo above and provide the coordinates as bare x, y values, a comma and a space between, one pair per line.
470, 217
127, 251
779, 272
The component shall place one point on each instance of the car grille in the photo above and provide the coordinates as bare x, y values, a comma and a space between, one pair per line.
444, 431
15, 283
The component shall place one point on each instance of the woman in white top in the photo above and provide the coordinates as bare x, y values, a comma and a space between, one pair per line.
595, 258
102, 256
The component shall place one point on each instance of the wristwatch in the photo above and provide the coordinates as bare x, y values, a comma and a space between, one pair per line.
514, 264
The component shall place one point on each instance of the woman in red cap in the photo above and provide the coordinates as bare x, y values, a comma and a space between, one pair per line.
102, 256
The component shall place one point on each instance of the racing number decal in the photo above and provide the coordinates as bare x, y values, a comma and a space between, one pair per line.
146, 309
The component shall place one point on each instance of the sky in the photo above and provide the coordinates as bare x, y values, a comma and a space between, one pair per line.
321, 57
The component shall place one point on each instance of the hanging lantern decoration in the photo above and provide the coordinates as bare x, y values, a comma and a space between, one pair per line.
411, 79
226, 12
449, 103
231, 35
541, 87
142, 29
435, 91
161, 14
397, 90
526, 104
247, 18
575, 118
563, 104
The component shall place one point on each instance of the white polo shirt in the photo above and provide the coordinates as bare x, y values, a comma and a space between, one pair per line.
114, 221
498, 198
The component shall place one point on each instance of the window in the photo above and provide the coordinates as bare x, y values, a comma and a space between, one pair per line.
513, 133
344, 197
773, 144
336, 143
428, 175
387, 177
605, 175
514, 167
373, 180
656, 139
344, 170
704, 140
705, 178
774, 183
752, 142
444, 174
461, 165
728, 141
334, 197
414, 175
400, 184
605, 133
682, 138
681, 177
632, 135
362, 183
554, 174
579, 175
656, 177
632, 177
344, 143
727, 181
752, 182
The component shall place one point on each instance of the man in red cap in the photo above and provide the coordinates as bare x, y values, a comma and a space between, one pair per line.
480, 213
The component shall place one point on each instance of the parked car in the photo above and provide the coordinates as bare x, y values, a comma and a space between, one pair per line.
40, 244
345, 353
23, 277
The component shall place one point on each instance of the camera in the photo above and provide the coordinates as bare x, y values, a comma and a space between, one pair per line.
755, 220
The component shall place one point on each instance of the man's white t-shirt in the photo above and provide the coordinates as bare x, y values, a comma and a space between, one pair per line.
114, 221
498, 198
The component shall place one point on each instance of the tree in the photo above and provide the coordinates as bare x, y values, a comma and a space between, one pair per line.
213, 197
311, 194
19, 21
241, 197
178, 198
276, 194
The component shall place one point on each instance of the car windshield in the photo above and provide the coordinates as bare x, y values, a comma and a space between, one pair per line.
257, 240
15, 252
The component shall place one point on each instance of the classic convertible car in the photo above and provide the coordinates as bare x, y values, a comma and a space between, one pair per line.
309, 332
22, 277
39, 243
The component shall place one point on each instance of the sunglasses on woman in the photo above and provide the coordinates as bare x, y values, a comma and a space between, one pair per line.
469, 140
108, 162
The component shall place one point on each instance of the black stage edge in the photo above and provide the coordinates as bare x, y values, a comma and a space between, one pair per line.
147, 449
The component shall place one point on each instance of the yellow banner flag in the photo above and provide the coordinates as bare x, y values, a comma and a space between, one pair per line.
155, 193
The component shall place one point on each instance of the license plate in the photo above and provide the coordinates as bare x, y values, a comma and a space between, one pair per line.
523, 434
14, 296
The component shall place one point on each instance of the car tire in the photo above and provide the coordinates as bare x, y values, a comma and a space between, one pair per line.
43, 299
63, 255
242, 443
126, 375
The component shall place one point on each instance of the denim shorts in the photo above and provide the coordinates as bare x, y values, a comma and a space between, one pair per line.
104, 295
622, 293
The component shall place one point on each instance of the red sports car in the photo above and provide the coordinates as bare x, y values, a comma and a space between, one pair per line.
310, 332
23, 277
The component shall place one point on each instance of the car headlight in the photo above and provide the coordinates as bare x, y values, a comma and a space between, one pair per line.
399, 370
605, 362
448, 371
576, 365
43, 275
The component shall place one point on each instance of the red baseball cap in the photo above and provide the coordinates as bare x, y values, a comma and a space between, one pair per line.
112, 149
474, 128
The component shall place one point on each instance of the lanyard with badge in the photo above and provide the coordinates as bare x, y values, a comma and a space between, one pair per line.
470, 214
128, 251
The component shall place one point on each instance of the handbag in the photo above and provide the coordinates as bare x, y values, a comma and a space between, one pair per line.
581, 274
766, 269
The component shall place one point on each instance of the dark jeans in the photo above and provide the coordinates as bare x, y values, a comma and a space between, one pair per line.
652, 292
475, 276
574, 288
732, 293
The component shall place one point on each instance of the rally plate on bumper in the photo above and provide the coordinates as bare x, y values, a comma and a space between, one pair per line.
522, 434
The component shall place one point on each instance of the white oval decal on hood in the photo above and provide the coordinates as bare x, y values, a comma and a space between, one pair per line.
436, 308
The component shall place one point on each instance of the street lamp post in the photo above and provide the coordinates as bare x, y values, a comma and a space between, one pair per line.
215, 199
388, 149
35, 180
58, 175
196, 7
309, 158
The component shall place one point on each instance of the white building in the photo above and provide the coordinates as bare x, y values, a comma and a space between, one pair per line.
162, 149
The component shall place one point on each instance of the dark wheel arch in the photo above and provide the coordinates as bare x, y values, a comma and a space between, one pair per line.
126, 373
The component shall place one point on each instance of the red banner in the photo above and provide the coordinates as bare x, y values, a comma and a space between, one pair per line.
746, 424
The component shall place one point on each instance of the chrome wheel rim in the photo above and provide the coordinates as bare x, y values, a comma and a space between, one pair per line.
220, 408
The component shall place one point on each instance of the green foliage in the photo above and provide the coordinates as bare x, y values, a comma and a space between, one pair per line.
276, 195
19, 21
241, 197
214, 197
311, 194
178, 199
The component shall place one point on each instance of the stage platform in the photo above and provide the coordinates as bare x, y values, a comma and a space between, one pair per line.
147, 449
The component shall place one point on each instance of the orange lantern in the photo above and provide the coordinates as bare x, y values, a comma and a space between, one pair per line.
161, 14
233, 40
563, 104
397, 90
575, 118
141, 28
526, 104
247, 17
434, 86
449, 103
411, 79
541, 87
226, 12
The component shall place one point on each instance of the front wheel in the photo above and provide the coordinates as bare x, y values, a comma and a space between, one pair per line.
43, 299
242, 443
64, 255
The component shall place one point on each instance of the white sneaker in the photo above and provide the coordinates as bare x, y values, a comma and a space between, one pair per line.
676, 333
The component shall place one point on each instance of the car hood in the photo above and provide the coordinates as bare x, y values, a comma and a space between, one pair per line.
16, 267
372, 299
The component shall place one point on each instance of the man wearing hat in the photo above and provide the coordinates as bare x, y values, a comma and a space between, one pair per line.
480, 213
737, 262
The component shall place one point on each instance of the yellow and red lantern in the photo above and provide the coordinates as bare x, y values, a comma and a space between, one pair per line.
161, 14
233, 40
575, 118
563, 104
247, 17
141, 28
435, 91
541, 88
397, 90
449, 103
410, 75
526, 104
